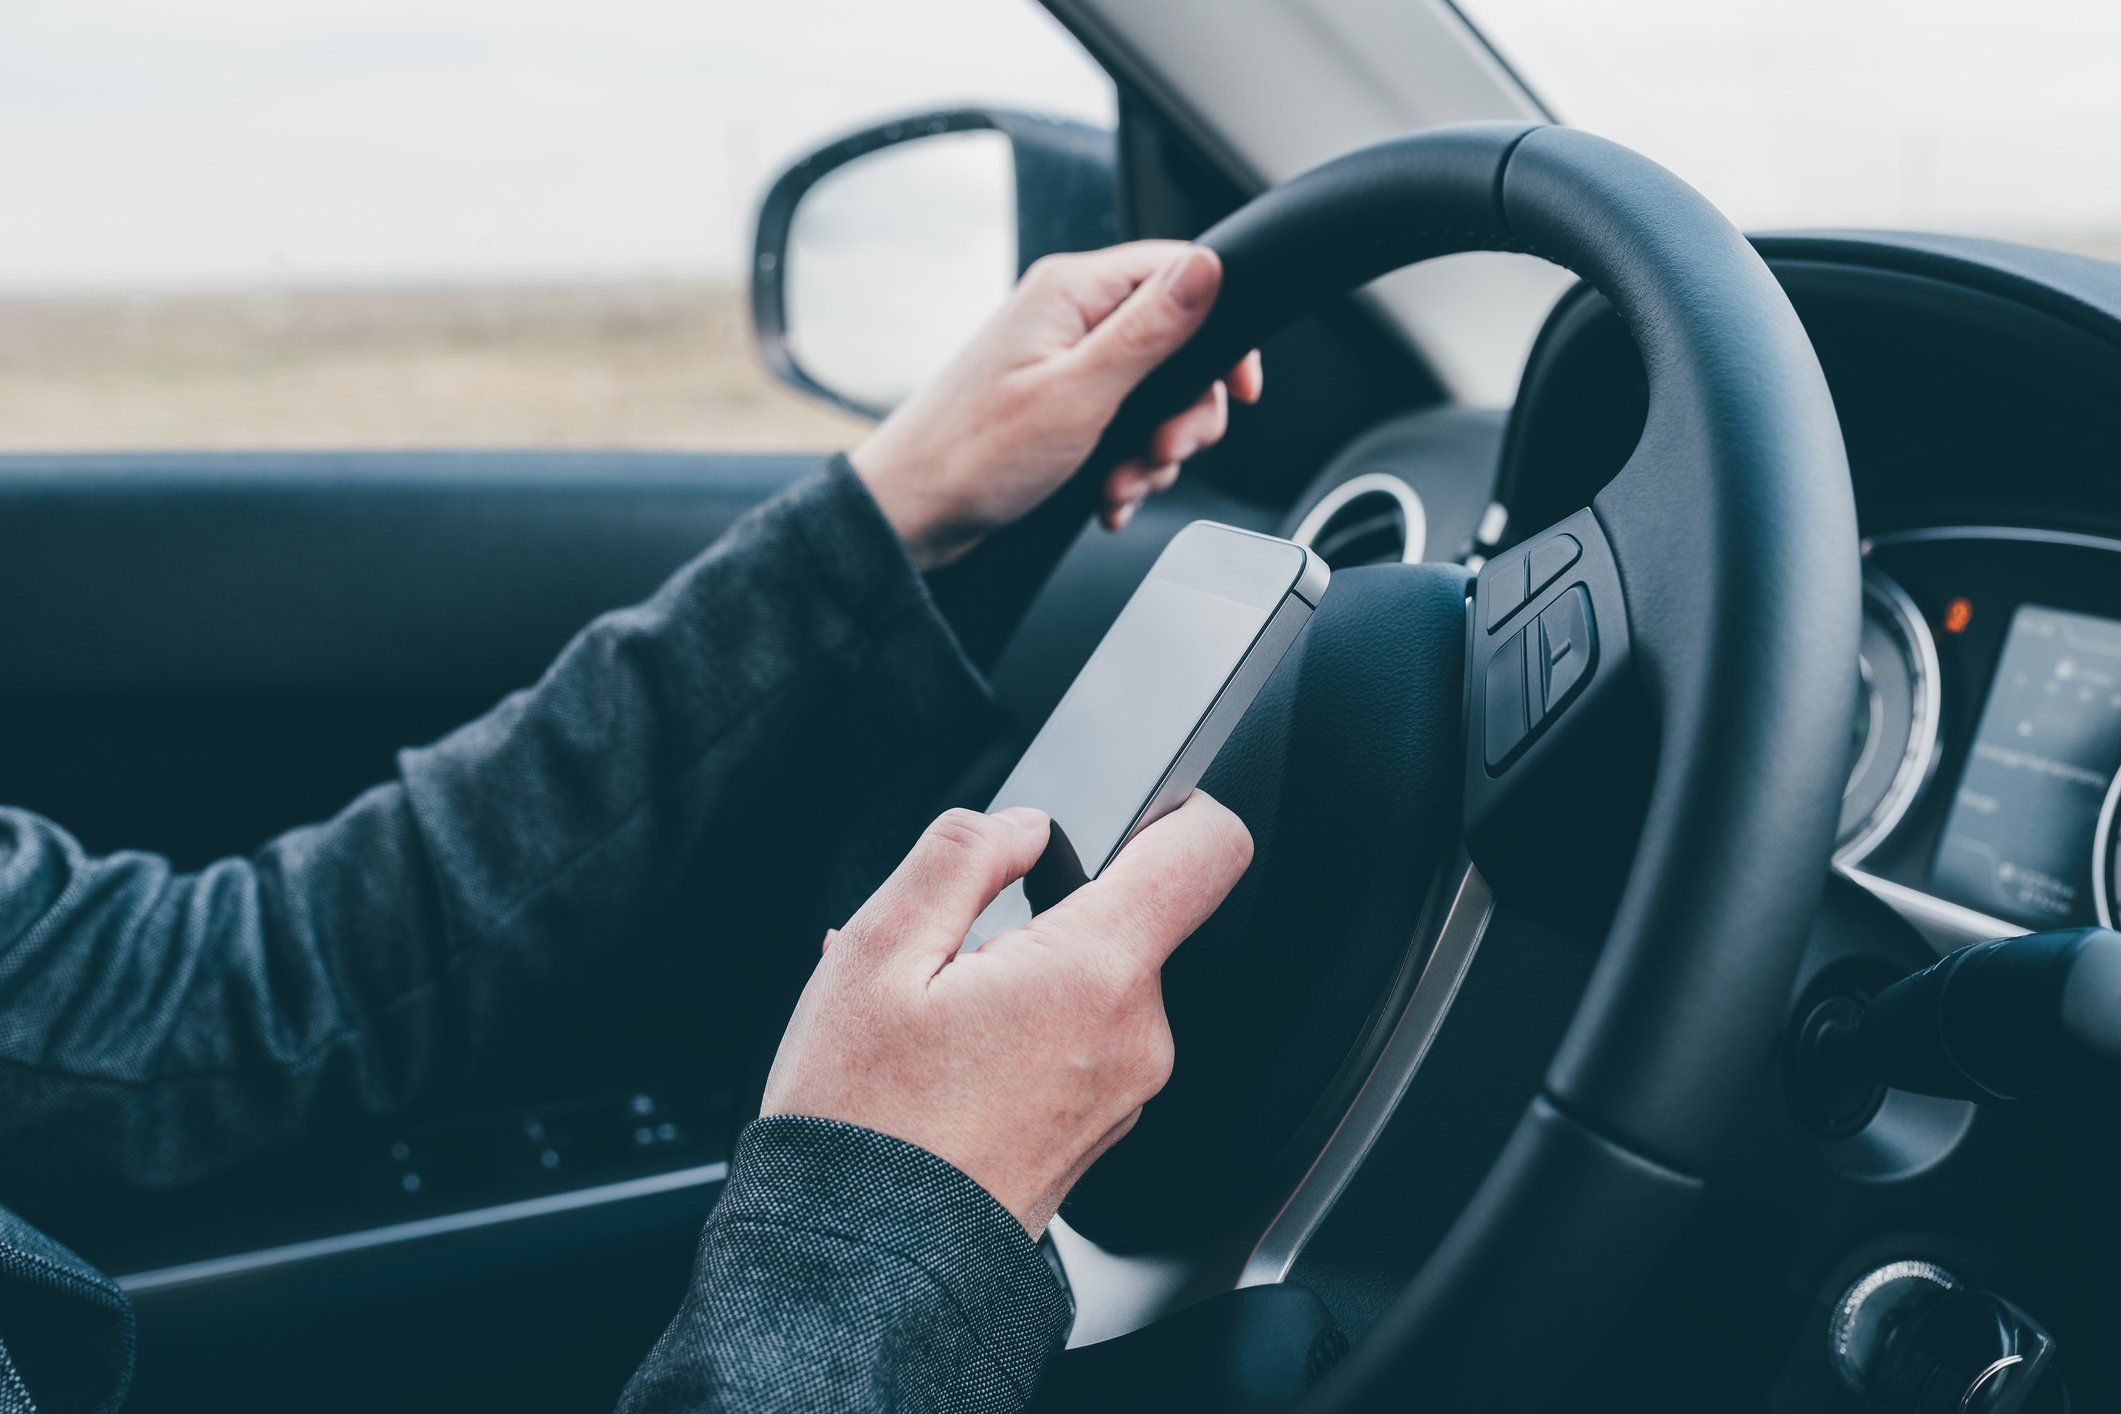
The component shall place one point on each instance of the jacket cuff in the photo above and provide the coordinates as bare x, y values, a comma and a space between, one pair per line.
864, 566
868, 1188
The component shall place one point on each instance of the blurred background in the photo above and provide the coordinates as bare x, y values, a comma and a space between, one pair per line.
243, 223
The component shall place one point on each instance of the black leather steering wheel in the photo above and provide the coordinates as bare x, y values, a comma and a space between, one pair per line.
1709, 596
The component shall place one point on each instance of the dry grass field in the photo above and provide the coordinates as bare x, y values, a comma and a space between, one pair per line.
646, 364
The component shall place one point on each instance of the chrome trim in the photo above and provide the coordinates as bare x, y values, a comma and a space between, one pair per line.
2103, 856
1997, 1367
1948, 926
1919, 762
294, 1253
1457, 939
1850, 1310
1413, 515
1120, 1292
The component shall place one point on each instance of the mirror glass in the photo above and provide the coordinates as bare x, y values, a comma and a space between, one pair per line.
896, 258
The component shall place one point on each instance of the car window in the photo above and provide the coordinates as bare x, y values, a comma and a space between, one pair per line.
1965, 116
240, 223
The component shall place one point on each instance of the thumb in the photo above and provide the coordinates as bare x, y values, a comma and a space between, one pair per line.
952, 873
1161, 887
1152, 323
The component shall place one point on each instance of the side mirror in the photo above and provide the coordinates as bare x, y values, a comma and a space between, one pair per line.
879, 255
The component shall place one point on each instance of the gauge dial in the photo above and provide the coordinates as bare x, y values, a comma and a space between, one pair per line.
2106, 857
1895, 741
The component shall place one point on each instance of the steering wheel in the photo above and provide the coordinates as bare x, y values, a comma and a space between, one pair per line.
1633, 723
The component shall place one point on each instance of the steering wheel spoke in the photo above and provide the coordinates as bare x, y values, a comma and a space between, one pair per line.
1558, 739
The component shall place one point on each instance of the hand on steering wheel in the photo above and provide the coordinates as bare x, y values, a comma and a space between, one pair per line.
1023, 405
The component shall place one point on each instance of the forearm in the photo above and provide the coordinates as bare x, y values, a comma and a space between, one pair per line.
154, 1025
846, 1270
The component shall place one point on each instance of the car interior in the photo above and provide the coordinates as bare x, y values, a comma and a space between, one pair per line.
1763, 651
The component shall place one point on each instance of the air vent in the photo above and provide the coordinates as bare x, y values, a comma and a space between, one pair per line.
1372, 519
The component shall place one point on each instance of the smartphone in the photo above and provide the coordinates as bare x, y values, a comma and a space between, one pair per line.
1158, 697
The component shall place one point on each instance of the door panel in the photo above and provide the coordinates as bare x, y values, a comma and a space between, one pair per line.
201, 651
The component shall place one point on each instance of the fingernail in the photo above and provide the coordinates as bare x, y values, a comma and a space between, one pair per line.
1194, 279
1124, 514
1025, 818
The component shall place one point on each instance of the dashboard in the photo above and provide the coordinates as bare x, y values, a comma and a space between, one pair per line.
1976, 385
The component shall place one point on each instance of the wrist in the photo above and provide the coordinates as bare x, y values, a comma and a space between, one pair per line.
906, 486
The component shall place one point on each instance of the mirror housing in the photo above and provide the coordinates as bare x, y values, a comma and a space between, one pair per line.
814, 234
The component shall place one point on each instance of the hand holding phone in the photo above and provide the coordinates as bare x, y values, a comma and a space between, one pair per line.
1158, 697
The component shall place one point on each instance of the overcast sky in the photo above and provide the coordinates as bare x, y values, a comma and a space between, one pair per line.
1986, 116
188, 141
173, 142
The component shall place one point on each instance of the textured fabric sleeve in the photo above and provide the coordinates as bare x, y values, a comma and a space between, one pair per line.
158, 1025
849, 1271
66, 1330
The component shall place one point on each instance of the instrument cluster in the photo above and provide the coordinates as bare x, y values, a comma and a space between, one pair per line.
1988, 732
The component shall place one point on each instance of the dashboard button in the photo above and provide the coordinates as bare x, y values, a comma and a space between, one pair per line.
1548, 559
1508, 717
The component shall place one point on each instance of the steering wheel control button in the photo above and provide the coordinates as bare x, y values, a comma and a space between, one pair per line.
1508, 585
1567, 648
1508, 713
1548, 559
1536, 673
1504, 585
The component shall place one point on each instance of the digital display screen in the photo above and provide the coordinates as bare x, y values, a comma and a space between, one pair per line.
2018, 841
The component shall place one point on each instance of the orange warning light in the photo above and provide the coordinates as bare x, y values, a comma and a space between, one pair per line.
1957, 615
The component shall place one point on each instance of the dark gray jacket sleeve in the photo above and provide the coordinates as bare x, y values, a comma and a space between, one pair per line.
845, 1270
156, 1026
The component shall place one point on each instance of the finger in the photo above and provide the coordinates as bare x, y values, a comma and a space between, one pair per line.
1201, 425
1116, 517
1160, 888
1097, 282
1151, 323
1132, 482
1249, 379
954, 870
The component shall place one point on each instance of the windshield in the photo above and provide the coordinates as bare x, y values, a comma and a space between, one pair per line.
1967, 116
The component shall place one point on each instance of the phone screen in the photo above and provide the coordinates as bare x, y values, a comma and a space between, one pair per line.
1123, 723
